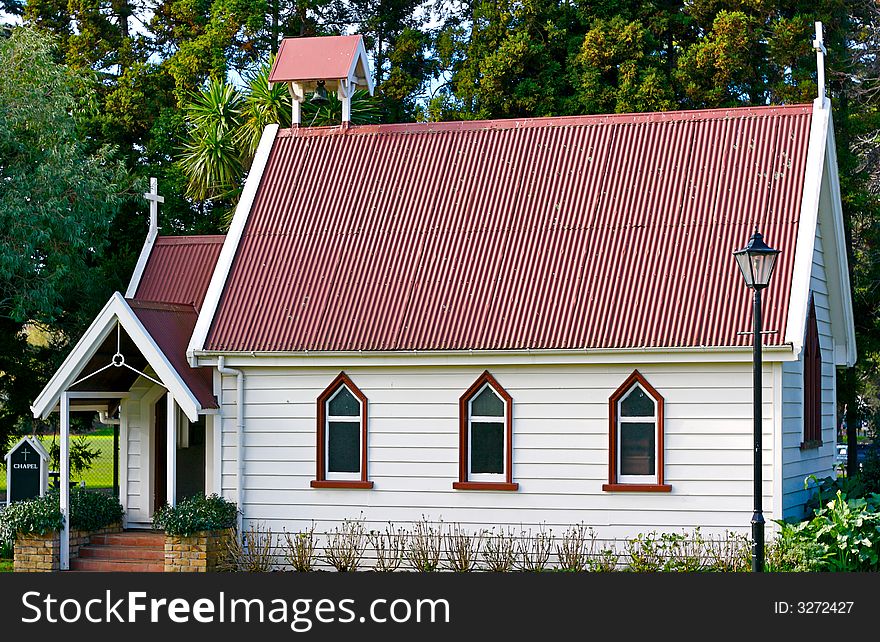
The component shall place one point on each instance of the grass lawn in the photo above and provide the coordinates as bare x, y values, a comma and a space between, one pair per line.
5, 566
100, 475
103, 432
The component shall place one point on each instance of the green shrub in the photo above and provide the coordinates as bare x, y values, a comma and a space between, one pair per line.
645, 553
870, 473
791, 551
91, 511
196, 514
40, 515
823, 490
685, 552
843, 535
668, 552
7, 537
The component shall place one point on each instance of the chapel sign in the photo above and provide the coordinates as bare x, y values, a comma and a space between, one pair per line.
26, 470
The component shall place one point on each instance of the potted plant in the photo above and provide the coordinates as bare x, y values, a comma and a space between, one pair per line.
197, 533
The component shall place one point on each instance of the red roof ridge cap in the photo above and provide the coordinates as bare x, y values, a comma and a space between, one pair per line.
691, 115
190, 239
161, 305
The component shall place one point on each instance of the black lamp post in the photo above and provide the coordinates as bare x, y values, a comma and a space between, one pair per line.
756, 261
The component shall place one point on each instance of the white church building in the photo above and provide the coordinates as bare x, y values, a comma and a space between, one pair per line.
511, 322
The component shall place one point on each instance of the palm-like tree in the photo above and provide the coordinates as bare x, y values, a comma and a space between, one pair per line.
211, 158
224, 127
264, 103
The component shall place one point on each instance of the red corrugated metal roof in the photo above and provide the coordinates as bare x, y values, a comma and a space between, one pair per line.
319, 58
179, 269
171, 326
563, 233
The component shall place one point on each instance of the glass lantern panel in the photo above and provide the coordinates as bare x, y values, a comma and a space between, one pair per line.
745, 266
762, 268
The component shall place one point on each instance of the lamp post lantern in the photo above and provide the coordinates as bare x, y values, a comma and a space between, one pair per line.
756, 261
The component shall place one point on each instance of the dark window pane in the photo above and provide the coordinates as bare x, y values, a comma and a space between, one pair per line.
636, 449
344, 404
487, 447
487, 404
637, 404
344, 447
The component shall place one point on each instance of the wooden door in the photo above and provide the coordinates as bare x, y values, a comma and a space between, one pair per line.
160, 427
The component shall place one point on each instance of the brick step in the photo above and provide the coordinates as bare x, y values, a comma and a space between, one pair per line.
130, 538
116, 566
131, 553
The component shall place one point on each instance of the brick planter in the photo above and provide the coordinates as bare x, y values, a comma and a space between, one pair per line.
34, 553
199, 553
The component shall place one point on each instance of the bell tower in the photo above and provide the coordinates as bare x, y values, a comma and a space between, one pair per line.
318, 65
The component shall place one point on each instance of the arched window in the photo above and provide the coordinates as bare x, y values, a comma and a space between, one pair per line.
342, 437
812, 383
635, 447
486, 437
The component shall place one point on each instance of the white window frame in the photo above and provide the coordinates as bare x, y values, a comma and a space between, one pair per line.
487, 477
338, 476
637, 479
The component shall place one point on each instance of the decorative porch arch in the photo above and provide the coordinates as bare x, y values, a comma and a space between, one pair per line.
72, 384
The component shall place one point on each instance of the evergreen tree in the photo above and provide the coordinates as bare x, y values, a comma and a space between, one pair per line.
58, 200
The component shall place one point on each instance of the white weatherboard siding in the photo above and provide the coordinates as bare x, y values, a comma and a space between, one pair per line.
139, 408
135, 433
799, 464
560, 438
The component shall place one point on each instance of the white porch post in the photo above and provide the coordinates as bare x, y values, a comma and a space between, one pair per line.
64, 480
171, 448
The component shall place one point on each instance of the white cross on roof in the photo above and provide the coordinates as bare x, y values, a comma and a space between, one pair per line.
155, 199
819, 46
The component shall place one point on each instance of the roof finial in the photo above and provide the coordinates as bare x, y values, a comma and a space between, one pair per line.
819, 46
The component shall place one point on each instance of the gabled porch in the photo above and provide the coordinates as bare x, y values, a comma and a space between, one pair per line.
130, 365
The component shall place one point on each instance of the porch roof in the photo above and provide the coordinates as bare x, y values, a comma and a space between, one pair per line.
150, 335
171, 326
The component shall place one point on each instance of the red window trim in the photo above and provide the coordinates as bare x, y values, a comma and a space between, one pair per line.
484, 486
463, 483
812, 381
321, 480
341, 483
637, 488
613, 485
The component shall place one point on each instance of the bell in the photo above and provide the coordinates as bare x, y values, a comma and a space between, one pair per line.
320, 95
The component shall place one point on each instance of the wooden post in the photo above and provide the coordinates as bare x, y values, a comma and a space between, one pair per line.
64, 481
